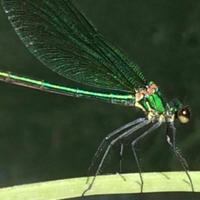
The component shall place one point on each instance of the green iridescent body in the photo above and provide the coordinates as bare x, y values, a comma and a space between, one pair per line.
150, 102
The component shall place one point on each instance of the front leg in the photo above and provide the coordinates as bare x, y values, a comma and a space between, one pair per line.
171, 132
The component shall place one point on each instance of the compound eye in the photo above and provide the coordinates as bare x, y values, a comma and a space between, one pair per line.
183, 115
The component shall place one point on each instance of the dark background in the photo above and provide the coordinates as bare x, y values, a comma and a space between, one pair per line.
45, 136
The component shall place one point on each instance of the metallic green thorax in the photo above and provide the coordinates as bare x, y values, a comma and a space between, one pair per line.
153, 102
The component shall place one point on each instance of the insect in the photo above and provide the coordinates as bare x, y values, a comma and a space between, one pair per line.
61, 37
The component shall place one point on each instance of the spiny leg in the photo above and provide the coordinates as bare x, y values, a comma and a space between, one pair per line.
120, 156
171, 136
177, 152
100, 148
155, 126
121, 151
125, 134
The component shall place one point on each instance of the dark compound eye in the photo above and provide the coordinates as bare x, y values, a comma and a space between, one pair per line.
183, 115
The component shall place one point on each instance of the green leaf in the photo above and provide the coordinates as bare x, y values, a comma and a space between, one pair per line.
107, 184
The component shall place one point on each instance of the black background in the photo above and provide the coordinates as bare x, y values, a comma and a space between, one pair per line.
45, 136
